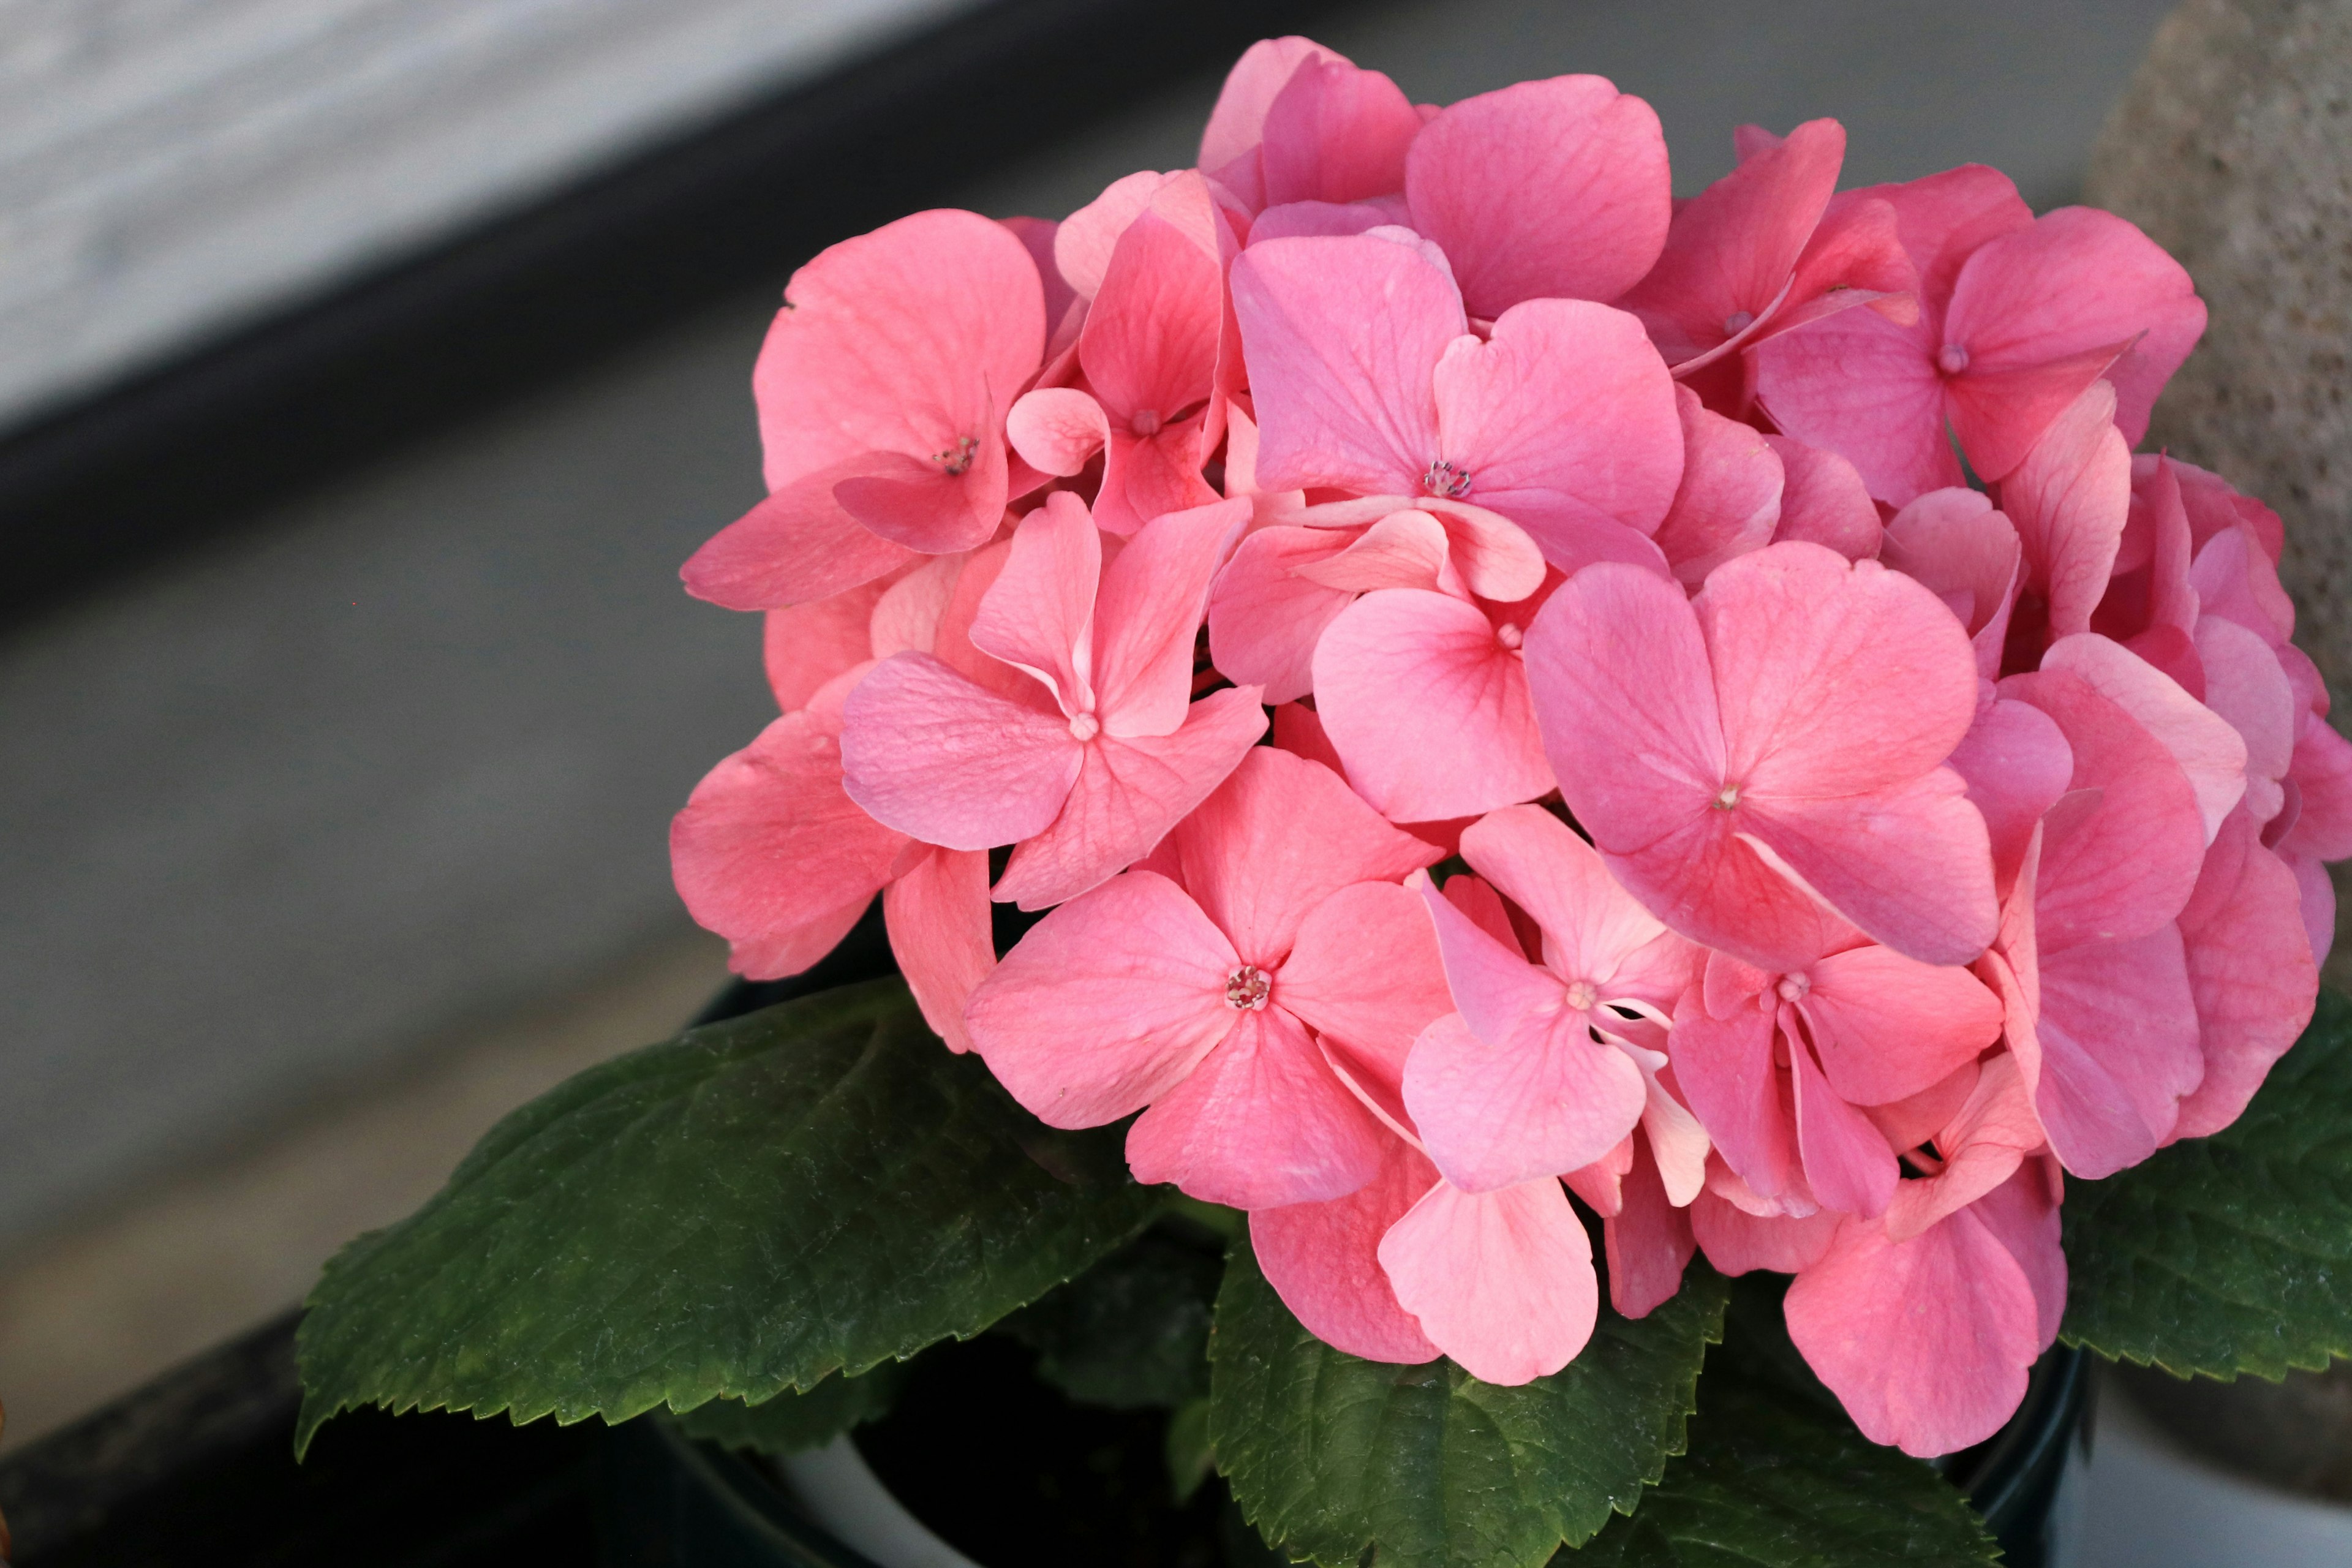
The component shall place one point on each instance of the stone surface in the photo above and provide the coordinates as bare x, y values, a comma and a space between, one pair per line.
2233, 148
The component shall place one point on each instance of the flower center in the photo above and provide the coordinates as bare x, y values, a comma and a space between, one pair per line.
958, 457
1145, 423
1792, 987
1738, 322
1951, 359
1729, 798
1446, 478
1583, 995
1247, 988
1084, 727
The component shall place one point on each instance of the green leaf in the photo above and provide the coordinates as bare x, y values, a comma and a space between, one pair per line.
2231, 1252
1130, 1332
1778, 1477
813, 1188
1190, 1459
1333, 1457
790, 1422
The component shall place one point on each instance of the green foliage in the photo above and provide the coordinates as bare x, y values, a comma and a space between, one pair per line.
1190, 1460
791, 1422
814, 1188
1130, 1332
1346, 1460
1776, 1476
2231, 1252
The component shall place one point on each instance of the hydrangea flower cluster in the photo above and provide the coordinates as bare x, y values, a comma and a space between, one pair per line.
1509, 686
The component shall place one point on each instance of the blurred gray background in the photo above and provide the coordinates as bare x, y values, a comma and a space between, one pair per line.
320, 849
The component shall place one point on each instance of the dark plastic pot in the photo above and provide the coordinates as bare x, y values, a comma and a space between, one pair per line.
668, 1502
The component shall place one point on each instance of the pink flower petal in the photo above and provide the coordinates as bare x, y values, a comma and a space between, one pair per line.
772, 856
2119, 1040
796, 547
1151, 342
1736, 1242
1154, 596
937, 912
2069, 499
1823, 500
1128, 794
1336, 133
1278, 838
2208, 750
1265, 616
1648, 1241
1323, 1260
1057, 429
1859, 386
1591, 926
1888, 1028
946, 500
2017, 763
1553, 189
1106, 1003
1262, 1123
1990, 1137
808, 645
1731, 496
1084, 242
1723, 1066
1365, 975
1544, 1098
1237, 124
1403, 550
1848, 1166
1967, 555
2245, 685
1563, 419
1491, 979
1039, 615
1926, 1342
1428, 707
1500, 1281
927, 751
2251, 970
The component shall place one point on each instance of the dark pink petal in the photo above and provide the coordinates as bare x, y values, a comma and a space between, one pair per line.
1039, 614
1262, 1123
796, 547
2069, 500
1341, 337
1106, 1003
1967, 555
1648, 1241
1982, 1145
1823, 500
1127, 796
1428, 707
1554, 189
2208, 750
1237, 124
1729, 499
1733, 248
1888, 1028
1149, 617
2078, 281
1266, 616
2119, 1049
937, 912
1293, 219
1592, 928
1492, 981
1848, 1166
1278, 838
1500, 1281
1927, 1341
2251, 969
1911, 865
1151, 342
2017, 763
1365, 973
807, 644
2022, 1214
1944, 218
1725, 1068
1563, 419
1336, 133
950, 499
2322, 772
1146, 476
950, 762
1859, 386
773, 857
1736, 1242
1323, 1260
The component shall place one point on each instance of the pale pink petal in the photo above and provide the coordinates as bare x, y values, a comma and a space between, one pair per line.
793, 548
1729, 499
1927, 1341
1128, 794
1294, 219
2119, 1040
1736, 1242
1967, 555
1265, 616
1057, 429
2245, 685
1341, 335
1237, 124
1492, 981
2251, 970
2322, 774
1106, 1003
936, 913
1859, 386
1429, 709
951, 764
1545, 1098
1591, 926
1151, 342
1039, 615
1848, 1166
2079, 279
1563, 419
1154, 596
772, 856
807, 644
1677, 1143
1725, 1070
2022, 1214
1501, 1282
1713, 884
1498, 558
2017, 763
1982, 1145
1888, 1028
1336, 133
1823, 500
1648, 1241
907, 615
1323, 1260
1278, 838
1263, 1122
1403, 550
1553, 189
2069, 500
2207, 748
1365, 972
